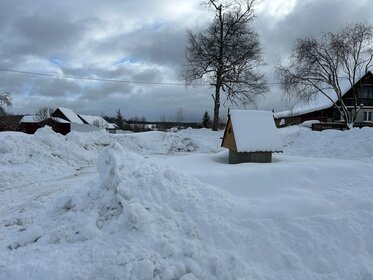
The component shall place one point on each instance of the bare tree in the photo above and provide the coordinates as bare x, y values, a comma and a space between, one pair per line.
10, 122
323, 65
227, 55
100, 123
138, 124
5, 99
179, 115
44, 113
142, 119
163, 118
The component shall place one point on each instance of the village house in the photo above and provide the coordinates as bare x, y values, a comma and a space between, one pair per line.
64, 120
323, 110
30, 123
97, 121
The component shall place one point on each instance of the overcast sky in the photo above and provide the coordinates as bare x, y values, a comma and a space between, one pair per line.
140, 41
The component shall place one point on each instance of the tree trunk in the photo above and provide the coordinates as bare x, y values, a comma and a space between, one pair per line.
346, 117
219, 74
215, 123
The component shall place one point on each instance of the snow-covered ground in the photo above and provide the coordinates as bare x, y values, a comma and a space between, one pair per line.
168, 206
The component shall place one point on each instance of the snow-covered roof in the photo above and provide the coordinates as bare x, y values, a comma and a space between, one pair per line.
91, 119
59, 120
30, 119
112, 126
70, 115
255, 131
320, 102
101, 121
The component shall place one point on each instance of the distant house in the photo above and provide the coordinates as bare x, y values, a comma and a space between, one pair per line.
323, 110
251, 136
63, 120
30, 123
67, 115
30, 119
97, 121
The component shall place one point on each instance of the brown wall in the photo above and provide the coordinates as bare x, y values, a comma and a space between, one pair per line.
228, 140
31, 128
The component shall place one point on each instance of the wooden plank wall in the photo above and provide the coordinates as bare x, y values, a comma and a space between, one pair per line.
229, 140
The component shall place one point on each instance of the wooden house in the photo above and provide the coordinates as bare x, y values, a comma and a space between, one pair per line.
251, 136
67, 115
30, 123
97, 121
322, 109
63, 120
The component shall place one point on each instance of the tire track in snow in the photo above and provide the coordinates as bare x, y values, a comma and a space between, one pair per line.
20, 197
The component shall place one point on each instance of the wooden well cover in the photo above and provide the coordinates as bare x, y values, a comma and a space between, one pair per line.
229, 141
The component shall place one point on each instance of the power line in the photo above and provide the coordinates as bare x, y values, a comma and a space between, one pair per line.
55, 75
92, 79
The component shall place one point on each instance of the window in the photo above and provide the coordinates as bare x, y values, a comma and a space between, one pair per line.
368, 116
367, 92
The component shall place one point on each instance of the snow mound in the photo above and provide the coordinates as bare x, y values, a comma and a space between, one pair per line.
356, 144
153, 222
47, 154
42, 155
309, 123
297, 218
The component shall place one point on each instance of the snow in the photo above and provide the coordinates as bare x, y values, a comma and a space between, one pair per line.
91, 119
309, 123
101, 121
319, 102
59, 120
162, 205
28, 236
29, 119
255, 131
353, 144
70, 115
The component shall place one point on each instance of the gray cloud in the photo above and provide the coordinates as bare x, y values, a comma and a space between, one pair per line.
307, 18
136, 40
45, 35
162, 45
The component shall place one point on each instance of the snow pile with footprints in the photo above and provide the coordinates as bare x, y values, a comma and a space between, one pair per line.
141, 220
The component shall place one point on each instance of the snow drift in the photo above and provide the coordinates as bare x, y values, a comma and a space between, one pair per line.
297, 218
153, 222
49, 154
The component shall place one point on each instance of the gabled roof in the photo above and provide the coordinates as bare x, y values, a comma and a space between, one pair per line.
254, 131
70, 115
91, 119
30, 119
59, 120
320, 102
